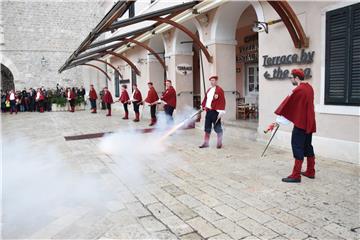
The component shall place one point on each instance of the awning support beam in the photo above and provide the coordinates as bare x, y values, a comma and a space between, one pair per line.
91, 65
128, 61
112, 66
291, 22
189, 33
160, 59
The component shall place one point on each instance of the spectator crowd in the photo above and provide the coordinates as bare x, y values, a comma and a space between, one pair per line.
40, 99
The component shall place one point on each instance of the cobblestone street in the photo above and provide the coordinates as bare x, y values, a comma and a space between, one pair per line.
73, 190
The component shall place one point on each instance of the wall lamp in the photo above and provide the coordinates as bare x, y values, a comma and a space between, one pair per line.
264, 26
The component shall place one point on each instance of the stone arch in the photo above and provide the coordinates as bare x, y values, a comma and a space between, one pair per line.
227, 17
7, 78
11, 66
156, 73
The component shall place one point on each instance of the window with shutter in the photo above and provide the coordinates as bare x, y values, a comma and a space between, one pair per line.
354, 88
342, 71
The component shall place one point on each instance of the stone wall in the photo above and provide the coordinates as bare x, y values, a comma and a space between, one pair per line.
37, 38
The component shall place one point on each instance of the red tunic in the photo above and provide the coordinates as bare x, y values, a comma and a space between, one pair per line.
152, 96
137, 97
299, 108
41, 97
169, 96
124, 97
92, 94
72, 95
217, 103
108, 97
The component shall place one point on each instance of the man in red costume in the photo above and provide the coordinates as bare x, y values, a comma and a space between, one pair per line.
298, 108
92, 97
124, 99
214, 105
108, 100
169, 99
152, 100
136, 100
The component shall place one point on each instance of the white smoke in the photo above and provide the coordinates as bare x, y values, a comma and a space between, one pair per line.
38, 183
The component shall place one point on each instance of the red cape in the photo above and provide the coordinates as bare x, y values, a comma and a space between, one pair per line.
124, 97
137, 95
299, 108
169, 97
216, 104
92, 94
152, 96
108, 97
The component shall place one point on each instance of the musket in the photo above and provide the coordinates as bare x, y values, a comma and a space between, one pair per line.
277, 127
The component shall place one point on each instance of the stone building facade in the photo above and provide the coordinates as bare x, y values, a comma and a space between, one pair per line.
38, 36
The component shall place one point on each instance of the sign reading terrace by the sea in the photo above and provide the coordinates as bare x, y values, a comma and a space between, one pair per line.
304, 58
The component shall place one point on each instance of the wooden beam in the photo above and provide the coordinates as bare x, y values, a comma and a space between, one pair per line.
122, 57
187, 32
112, 66
161, 60
91, 65
291, 22
295, 22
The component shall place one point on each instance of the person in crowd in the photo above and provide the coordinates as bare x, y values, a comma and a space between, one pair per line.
32, 96
70, 95
92, 97
12, 99
125, 100
214, 105
136, 99
108, 100
3, 100
169, 100
40, 100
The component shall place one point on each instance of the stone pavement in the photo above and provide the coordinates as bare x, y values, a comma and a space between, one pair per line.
79, 192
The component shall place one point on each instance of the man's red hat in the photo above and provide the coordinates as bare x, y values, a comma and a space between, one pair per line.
214, 77
299, 73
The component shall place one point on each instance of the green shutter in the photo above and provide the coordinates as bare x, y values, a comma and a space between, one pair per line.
336, 73
354, 66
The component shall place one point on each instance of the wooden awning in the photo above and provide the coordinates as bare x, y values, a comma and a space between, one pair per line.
90, 50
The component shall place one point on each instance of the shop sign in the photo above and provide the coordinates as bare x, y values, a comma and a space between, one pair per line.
279, 73
184, 68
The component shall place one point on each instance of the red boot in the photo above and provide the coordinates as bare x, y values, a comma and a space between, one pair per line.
310, 168
219, 140
206, 140
153, 122
109, 113
295, 177
137, 117
126, 116
41, 109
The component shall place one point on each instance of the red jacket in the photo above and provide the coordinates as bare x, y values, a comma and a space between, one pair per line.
152, 96
124, 97
217, 103
169, 96
72, 95
108, 97
92, 94
299, 108
137, 97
